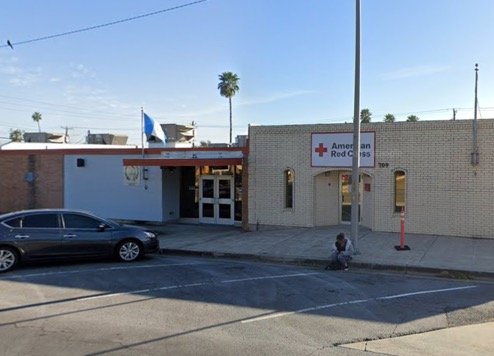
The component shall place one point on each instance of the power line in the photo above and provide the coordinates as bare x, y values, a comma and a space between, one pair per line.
10, 43
78, 108
82, 113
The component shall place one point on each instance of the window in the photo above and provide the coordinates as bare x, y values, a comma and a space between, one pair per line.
288, 177
76, 221
17, 222
400, 187
40, 221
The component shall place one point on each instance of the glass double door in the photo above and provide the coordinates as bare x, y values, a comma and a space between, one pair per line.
346, 197
216, 200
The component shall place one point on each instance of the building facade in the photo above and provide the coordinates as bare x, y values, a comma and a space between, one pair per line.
202, 185
291, 175
300, 175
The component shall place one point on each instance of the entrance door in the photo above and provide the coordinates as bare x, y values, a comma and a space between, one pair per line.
346, 197
216, 202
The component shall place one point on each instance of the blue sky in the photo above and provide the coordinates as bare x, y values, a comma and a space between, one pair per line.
295, 60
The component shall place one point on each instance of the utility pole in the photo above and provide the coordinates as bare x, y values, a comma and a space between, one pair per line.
66, 137
356, 133
454, 114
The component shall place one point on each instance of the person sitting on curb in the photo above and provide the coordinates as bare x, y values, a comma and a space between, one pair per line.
341, 253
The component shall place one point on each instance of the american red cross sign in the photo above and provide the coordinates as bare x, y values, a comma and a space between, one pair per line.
336, 149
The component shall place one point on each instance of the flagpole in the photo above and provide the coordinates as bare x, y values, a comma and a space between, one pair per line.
142, 131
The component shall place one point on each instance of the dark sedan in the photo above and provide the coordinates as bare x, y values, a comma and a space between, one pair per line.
50, 234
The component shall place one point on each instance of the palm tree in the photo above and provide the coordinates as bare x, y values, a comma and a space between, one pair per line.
389, 118
37, 118
412, 118
228, 87
365, 116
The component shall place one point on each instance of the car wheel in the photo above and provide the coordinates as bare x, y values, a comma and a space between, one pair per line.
129, 251
8, 259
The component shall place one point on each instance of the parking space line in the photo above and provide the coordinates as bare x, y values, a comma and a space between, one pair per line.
424, 292
360, 301
150, 290
103, 269
141, 291
269, 277
177, 286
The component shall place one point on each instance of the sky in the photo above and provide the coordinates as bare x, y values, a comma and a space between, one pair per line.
294, 58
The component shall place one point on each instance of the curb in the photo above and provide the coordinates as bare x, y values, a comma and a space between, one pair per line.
441, 272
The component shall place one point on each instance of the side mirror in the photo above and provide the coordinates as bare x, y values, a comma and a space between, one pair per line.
102, 227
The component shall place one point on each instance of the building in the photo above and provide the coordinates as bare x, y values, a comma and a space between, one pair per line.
156, 184
291, 175
300, 175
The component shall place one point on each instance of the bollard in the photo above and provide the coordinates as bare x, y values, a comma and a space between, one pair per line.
402, 246
402, 229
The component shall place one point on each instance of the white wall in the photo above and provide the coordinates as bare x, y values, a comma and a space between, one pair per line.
99, 187
171, 194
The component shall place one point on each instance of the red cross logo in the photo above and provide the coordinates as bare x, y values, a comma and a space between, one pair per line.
321, 149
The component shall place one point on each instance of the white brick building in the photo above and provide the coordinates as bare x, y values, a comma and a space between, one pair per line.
424, 166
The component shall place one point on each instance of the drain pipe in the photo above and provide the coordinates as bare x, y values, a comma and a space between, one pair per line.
475, 152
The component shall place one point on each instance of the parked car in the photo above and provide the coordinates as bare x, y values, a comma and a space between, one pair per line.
49, 234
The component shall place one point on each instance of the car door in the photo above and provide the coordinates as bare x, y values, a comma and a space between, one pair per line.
36, 234
83, 235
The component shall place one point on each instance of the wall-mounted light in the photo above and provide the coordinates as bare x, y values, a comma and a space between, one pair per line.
81, 162
145, 174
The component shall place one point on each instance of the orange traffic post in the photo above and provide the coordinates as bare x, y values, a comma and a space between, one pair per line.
402, 246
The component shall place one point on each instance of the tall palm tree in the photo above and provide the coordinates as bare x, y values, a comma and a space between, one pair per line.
37, 118
228, 87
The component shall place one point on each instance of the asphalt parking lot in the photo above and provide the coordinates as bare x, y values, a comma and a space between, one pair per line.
184, 305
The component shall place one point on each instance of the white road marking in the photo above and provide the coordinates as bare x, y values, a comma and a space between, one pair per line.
181, 286
111, 295
269, 277
44, 274
360, 301
140, 291
425, 292
145, 291
254, 319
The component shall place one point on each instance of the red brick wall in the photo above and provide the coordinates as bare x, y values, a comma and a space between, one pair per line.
44, 191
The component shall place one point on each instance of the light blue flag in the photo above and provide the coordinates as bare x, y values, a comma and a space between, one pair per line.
153, 129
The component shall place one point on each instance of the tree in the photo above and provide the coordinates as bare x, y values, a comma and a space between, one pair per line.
228, 87
37, 118
412, 118
389, 118
16, 135
365, 116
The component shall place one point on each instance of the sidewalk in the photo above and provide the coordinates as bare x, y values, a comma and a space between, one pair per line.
456, 257
461, 340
